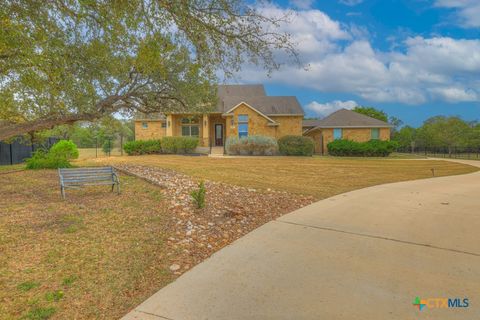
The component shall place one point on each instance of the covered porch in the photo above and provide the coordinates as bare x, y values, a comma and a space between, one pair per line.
209, 128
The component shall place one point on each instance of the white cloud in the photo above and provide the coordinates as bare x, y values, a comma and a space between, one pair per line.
467, 11
453, 94
350, 3
324, 109
302, 4
342, 60
313, 31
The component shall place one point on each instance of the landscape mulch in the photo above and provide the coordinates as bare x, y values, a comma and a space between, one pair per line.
230, 212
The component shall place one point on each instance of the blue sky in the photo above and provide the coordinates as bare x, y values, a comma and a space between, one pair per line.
412, 59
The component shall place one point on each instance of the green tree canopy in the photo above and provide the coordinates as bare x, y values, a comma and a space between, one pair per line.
405, 137
62, 61
372, 112
447, 132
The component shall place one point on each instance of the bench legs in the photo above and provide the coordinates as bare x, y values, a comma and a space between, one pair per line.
118, 187
62, 190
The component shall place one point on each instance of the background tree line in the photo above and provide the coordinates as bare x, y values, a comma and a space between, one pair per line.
106, 134
440, 134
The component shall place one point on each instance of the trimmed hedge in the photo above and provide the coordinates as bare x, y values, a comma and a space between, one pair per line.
164, 145
296, 146
138, 147
179, 144
251, 145
58, 156
372, 148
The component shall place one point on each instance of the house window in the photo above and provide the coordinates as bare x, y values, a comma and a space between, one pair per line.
164, 124
144, 125
375, 133
242, 125
190, 127
337, 133
243, 118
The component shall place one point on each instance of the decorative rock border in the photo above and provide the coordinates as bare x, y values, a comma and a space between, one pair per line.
230, 212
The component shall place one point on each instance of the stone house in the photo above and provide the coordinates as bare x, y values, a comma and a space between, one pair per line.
345, 124
242, 110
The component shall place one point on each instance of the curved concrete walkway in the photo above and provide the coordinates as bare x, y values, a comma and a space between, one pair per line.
365, 254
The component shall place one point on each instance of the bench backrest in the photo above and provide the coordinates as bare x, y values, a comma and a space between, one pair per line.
85, 175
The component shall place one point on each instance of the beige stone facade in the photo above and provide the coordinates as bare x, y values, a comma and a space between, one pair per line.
215, 128
149, 129
322, 137
272, 126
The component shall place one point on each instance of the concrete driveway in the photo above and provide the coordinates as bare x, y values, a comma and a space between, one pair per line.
365, 254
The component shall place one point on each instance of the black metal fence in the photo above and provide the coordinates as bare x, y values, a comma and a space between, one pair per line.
19, 150
104, 147
444, 152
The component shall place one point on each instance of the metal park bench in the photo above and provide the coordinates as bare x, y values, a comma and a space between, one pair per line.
94, 176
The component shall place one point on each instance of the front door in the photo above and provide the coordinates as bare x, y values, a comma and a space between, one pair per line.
218, 134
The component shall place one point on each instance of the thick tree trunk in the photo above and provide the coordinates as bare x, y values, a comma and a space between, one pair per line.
10, 130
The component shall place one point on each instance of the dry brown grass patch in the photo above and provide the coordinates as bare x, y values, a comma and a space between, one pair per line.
317, 176
95, 255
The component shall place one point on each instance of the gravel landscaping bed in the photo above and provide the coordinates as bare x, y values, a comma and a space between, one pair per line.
230, 212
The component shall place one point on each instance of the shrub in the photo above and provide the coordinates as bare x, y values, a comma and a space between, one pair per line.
232, 145
198, 196
296, 146
107, 146
164, 145
251, 145
372, 148
169, 145
133, 148
64, 148
188, 144
44, 160
179, 144
139, 147
58, 156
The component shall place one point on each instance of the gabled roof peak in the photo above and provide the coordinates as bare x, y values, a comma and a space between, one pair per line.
345, 118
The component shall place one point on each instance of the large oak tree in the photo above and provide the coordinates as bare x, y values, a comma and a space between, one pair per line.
63, 61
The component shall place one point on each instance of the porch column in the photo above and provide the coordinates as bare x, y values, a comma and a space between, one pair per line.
205, 130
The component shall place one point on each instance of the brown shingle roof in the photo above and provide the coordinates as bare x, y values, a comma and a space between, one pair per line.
344, 118
310, 123
253, 94
240, 90
266, 105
